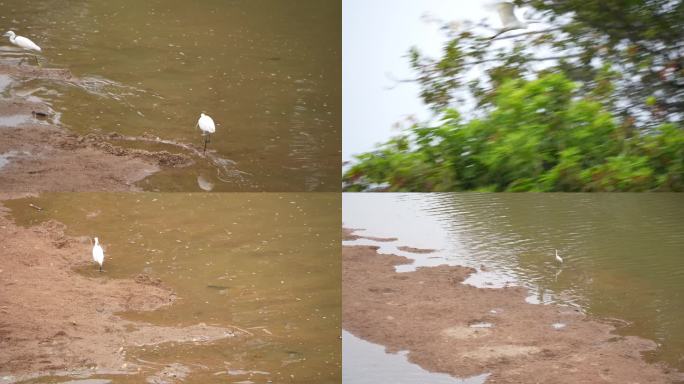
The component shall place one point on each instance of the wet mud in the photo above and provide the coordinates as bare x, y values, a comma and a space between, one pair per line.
37, 154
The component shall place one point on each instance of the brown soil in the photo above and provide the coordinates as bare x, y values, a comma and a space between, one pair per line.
430, 313
44, 157
54, 320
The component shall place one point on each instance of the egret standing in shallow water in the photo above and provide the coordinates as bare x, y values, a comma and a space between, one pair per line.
206, 124
23, 42
558, 258
98, 253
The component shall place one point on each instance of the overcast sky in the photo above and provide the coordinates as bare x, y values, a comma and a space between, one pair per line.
377, 34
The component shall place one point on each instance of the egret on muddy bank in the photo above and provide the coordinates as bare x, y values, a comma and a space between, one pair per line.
23, 42
558, 258
98, 253
206, 124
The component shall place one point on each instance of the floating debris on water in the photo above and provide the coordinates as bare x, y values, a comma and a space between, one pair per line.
39, 115
217, 287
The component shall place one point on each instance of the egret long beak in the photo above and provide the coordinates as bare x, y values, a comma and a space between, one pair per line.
6, 34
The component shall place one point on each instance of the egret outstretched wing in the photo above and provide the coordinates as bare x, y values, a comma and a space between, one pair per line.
507, 16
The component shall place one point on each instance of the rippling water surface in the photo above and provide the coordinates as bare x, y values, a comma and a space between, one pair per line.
267, 71
623, 253
268, 263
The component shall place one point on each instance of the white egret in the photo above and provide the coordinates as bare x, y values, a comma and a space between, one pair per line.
509, 21
23, 42
558, 258
206, 124
98, 253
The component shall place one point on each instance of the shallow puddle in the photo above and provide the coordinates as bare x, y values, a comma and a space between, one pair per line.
267, 71
6, 158
266, 263
5, 82
622, 252
368, 363
14, 120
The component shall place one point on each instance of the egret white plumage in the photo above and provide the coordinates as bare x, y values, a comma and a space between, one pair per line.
206, 124
558, 258
98, 253
23, 42
509, 21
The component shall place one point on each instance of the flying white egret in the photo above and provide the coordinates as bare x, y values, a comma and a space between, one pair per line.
23, 42
98, 253
558, 258
206, 124
509, 21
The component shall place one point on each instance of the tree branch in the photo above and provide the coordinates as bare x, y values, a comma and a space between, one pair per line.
530, 59
525, 34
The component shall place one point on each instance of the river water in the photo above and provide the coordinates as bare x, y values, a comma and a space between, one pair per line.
267, 71
623, 253
268, 263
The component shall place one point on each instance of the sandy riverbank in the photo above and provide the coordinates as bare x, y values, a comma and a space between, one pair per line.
439, 321
56, 321
36, 154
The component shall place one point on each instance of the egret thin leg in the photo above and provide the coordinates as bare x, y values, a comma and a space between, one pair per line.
206, 139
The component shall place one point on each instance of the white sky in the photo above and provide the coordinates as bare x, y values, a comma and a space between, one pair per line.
376, 35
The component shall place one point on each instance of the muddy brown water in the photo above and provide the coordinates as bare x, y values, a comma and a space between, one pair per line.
267, 71
622, 253
267, 263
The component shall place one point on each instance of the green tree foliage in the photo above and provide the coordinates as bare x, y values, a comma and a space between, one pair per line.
628, 52
540, 135
591, 101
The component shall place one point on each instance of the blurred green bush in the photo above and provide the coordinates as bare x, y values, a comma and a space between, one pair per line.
539, 136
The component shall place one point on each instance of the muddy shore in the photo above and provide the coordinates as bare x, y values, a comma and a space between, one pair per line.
56, 321
38, 155
464, 331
